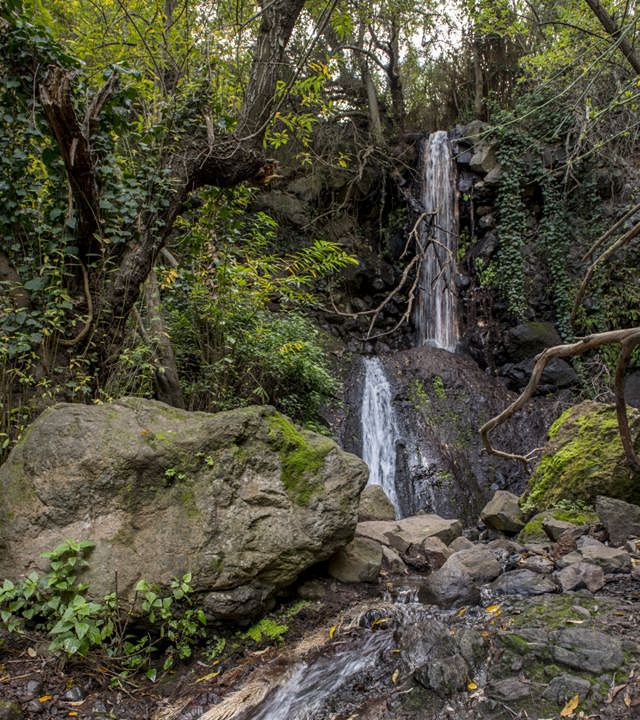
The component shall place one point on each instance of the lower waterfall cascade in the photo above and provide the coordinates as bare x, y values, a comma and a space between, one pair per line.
379, 429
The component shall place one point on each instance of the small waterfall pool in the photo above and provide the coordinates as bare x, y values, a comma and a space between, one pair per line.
380, 430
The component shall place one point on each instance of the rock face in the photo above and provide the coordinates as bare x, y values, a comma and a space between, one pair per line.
243, 500
584, 458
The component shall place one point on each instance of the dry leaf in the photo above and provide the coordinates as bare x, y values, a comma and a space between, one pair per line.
575, 622
380, 621
45, 698
73, 713
493, 608
31, 652
627, 699
613, 692
484, 633
471, 685
332, 631
208, 676
570, 707
395, 676
462, 612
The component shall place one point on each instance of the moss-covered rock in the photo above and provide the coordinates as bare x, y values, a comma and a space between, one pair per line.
584, 458
534, 532
243, 500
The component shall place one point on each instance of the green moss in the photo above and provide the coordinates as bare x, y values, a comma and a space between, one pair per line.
301, 458
514, 642
533, 531
585, 459
552, 612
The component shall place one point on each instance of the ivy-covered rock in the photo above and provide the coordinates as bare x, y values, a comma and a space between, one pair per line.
243, 500
584, 458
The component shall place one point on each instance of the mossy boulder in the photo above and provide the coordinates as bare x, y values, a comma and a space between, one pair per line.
584, 458
534, 531
244, 500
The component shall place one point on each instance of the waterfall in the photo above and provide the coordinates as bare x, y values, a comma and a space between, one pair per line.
436, 308
379, 430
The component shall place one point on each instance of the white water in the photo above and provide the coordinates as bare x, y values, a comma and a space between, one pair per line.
436, 316
379, 430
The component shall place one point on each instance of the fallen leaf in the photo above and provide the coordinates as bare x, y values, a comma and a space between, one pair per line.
575, 622
462, 612
332, 631
484, 633
570, 707
380, 621
45, 698
208, 676
493, 608
31, 652
73, 713
613, 692
627, 699
471, 685
395, 676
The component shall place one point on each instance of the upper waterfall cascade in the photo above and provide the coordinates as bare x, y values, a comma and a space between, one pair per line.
436, 315
379, 430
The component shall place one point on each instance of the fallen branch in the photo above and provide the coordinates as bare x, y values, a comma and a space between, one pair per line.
629, 338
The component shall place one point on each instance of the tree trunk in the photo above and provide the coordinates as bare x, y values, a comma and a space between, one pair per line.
610, 25
166, 382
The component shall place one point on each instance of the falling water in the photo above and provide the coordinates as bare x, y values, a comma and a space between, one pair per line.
379, 430
436, 308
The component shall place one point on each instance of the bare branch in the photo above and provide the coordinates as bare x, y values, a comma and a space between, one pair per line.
620, 242
627, 348
558, 351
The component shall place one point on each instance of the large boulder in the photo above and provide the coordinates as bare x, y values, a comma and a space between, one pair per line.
584, 458
243, 499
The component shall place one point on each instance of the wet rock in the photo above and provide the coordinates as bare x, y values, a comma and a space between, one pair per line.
414, 530
480, 563
450, 586
528, 339
569, 559
392, 562
73, 694
538, 563
610, 559
509, 689
581, 575
523, 582
435, 551
10, 710
444, 675
359, 561
554, 528
587, 650
620, 518
461, 543
375, 505
563, 687
377, 530
484, 157
503, 513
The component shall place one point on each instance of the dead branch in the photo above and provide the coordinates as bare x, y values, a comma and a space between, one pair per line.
627, 348
632, 233
628, 337
608, 233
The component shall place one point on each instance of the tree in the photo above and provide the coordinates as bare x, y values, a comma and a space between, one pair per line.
117, 236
